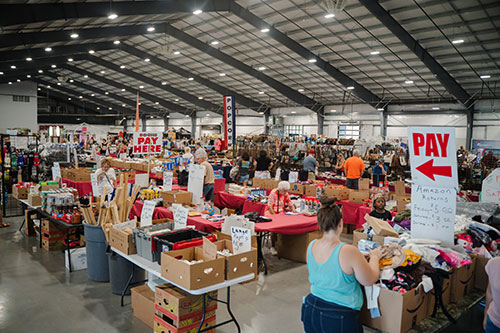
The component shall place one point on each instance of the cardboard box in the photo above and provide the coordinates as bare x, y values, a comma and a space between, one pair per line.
194, 276
180, 197
399, 188
34, 199
50, 228
399, 312
364, 184
297, 189
160, 326
121, 239
271, 184
462, 281
381, 227
446, 296
340, 194
259, 182
20, 192
237, 264
52, 243
143, 304
48, 187
180, 309
221, 236
310, 190
359, 234
358, 196
480, 276
294, 247
78, 259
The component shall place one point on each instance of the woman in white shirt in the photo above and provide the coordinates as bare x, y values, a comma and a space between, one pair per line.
188, 155
106, 177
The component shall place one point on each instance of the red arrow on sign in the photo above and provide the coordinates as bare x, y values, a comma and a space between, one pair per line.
430, 170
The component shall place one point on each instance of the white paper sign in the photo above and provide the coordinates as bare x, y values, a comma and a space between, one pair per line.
167, 180
95, 188
490, 191
21, 142
147, 143
432, 156
241, 239
147, 212
142, 179
433, 213
278, 174
56, 171
293, 177
180, 217
195, 182
68, 157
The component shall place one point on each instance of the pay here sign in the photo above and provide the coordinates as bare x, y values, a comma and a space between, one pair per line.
147, 143
433, 156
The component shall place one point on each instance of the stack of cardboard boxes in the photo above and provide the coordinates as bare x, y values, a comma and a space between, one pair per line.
53, 236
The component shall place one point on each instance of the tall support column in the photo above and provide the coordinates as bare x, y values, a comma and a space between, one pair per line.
165, 124
321, 121
470, 127
383, 124
267, 113
193, 125
125, 125
143, 120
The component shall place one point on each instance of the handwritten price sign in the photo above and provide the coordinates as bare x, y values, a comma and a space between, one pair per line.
241, 239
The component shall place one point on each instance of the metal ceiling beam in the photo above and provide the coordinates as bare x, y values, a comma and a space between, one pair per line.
359, 91
285, 90
206, 105
12, 14
38, 63
442, 75
95, 100
240, 99
62, 98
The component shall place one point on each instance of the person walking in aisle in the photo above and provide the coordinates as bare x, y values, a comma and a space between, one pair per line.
104, 148
336, 271
353, 167
379, 173
263, 165
310, 165
244, 166
209, 178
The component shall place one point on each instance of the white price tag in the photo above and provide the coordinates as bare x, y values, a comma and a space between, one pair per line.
147, 212
56, 171
293, 177
142, 179
95, 188
241, 239
278, 175
167, 180
180, 217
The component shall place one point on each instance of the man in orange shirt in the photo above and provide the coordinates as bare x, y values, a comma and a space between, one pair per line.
353, 167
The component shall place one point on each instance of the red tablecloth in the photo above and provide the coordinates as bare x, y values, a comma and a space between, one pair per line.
289, 224
342, 182
219, 185
84, 188
354, 213
228, 200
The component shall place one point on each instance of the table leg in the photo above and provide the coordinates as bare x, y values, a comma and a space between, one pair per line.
68, 249
203, 315
228, 305
260, 254
127, 285
24, 221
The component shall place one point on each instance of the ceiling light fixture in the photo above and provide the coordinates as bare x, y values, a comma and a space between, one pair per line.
69, 98
147, 60
300, 90
261, 112
116, 42
201, 97
85, 76
122, 66
457, 41
156, 103
70, 59
40, 71
102, 72
176, 99
177, 52
164, 83
98, 108
71, 81
28, 76
485, 76
112, 16
29, 59
262, 68
261, 93
374, 52
329, 15
80, 96
110, 108
123, 105
58, 83
215, 42
408, 82
48, 49
191, 79
333, 110
350, 88
380, 109
264, 30
13, 67
92, 95
91, 51
312, 60
1, 73
168, 116
18, 80
294, 111
74, 35
187, 116
10, 82
222, 74
123, 89
38, 89
141, 87
197, 12
435, 108
106, 93
53, 66
151, 29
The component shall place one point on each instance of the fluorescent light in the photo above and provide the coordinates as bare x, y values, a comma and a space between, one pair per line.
18, 80
261, 112
10, 82
1, 73
29, 59
294, 111
110, 108
197, 12
69, 98
80, 96
176, 99
106, 93
116, 42
312, 60
222, 74
485, 76
457, 41
58, 83
350, 88
85, 76
147, 60
164, 83
70, 59
74, 35
177, 52
435, 108
40, 71
261, 93
28, 76
215, 42
380, 109
156, 103
102, 72
122, 66
71, 81
333, 110
53, 66
264, 30
300, 90
408, 82
375, 52
123, 89
141, 87
48, 49
191, 79
91, 51
123, 105
112, 16
262, 68
201, 97
92, 95
329, 15
13, 67
98, 108
150, 29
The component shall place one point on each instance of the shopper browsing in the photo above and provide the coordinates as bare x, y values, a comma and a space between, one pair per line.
263, 164
104, 148
279, 199
491, 322
310, 165
379, 172
379, 210
106, 177
353, 167
187, 155
336, 271
209, 179
244, 166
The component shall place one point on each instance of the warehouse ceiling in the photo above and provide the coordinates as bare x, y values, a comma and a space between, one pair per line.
271, 53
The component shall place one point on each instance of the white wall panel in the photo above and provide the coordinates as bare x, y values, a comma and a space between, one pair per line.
18, 114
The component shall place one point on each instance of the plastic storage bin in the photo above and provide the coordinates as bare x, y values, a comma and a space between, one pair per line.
97, 260
178, 239
143, 235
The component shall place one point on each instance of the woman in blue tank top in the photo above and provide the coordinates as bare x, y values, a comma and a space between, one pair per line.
336, 271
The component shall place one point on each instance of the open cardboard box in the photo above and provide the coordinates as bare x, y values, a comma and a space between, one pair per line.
237, 264
381, 227
161, 326
180, 197
462, 281
364, 184
480, 276
358, 196
221, 236
359, 234
121, 239
297, 189
143, 304
259, 182
340, 194
20, 192
34, 199
195, 276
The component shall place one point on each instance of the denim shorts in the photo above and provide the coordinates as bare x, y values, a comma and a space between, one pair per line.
490, 327
244, 178
320, 316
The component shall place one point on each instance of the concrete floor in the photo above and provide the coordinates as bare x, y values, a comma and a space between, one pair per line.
37, 294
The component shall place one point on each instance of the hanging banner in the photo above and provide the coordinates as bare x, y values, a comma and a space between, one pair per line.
147, 143
229, 121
